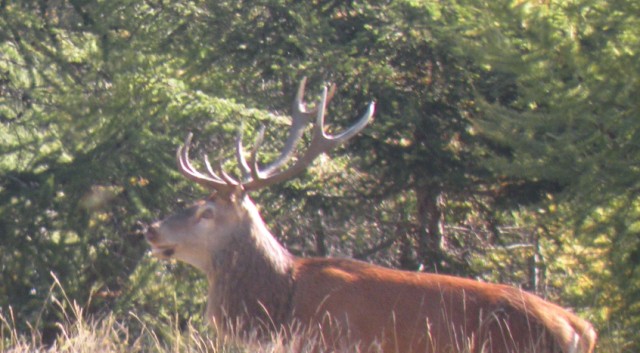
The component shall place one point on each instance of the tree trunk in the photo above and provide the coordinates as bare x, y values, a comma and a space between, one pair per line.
431, 242
320, 236
536, 267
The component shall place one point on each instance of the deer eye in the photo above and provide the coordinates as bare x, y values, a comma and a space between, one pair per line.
207, 214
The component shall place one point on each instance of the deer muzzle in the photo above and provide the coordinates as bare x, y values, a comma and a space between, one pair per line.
159, 249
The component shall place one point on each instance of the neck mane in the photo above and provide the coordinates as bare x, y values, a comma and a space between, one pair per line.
251, 284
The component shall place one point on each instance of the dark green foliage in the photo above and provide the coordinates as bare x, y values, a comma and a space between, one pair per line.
503, 145
574, 125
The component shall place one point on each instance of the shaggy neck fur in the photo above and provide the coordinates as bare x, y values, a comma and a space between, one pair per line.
250, 283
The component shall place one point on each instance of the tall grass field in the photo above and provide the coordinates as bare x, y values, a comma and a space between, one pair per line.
78, 332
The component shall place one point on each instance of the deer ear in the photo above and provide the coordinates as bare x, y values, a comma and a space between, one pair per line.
207, 213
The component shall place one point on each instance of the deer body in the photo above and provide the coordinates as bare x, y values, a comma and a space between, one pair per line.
420, 312
258, 289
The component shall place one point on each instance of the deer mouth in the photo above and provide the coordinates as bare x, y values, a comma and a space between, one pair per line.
163, 252
159, 248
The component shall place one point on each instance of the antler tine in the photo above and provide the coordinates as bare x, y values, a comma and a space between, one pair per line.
242, 162
299, 105
320, 143
350, 132
211, 181
255, 172
301, 117
223, 175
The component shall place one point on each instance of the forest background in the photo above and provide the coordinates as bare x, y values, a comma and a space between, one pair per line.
505, 146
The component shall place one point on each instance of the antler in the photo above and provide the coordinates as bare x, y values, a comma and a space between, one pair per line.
254, 177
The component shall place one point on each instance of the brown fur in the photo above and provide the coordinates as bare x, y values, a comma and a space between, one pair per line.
258, 288
421, 312
246, 292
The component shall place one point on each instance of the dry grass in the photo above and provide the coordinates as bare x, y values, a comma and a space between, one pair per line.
79, 334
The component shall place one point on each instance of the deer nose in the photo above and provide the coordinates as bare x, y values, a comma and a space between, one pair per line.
152, 233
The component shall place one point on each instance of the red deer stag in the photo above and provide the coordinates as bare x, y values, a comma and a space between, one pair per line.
257, 288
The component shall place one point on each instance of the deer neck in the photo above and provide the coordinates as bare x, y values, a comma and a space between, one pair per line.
250, 284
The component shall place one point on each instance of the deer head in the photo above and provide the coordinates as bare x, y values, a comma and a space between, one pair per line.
216, 232
182, 235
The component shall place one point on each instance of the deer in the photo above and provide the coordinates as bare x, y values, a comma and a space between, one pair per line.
258, 289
